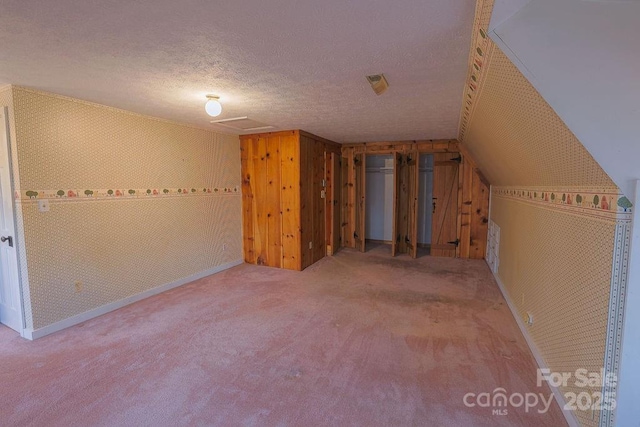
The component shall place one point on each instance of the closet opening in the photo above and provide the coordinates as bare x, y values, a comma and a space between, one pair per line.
399, 203
379, 201
418, 198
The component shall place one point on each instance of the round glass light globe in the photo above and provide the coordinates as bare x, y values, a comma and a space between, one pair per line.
213, 108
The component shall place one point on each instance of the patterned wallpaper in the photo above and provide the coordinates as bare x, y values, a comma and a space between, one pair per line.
556, 264
514, 136
135, 203
561, 218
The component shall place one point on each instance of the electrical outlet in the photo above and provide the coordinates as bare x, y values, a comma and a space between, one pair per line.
43, 205
310, 245
529, 319
78, 285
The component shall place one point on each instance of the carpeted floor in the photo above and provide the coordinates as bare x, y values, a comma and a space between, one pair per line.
356, 339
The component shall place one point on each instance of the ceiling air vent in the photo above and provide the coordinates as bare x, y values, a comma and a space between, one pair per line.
242, 124
378, 83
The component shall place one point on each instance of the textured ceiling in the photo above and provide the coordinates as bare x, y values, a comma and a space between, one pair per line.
290, 64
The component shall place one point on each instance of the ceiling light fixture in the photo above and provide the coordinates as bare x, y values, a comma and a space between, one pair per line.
213, 106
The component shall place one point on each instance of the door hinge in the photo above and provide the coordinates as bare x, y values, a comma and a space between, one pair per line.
323, 194
455, 242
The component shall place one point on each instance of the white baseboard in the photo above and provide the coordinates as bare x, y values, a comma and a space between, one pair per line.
557, 393
32, 334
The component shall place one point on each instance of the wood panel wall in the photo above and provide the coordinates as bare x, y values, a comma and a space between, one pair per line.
333, 205
283, 182
351, 151
291, 203
270, 199
474, 222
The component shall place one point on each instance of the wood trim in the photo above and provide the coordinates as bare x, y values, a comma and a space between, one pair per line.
461, 168
405, 142
270, 134
414, 179
381, 242
396, 180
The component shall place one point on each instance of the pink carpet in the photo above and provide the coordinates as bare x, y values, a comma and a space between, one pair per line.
356, 339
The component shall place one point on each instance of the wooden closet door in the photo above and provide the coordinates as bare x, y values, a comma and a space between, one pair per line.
345, 211
333, 201
360, 184
444, 229
397, 169
412, 226
319, 217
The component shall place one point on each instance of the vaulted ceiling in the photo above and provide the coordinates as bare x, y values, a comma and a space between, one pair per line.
285, 63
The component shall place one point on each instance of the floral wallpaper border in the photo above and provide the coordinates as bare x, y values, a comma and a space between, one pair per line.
603, 203
122, 193
480, 53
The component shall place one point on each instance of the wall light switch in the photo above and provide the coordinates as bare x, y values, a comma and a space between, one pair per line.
43, 205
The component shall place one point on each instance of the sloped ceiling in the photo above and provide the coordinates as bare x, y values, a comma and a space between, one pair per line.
583, 57
517, 139
285, 63
511, 131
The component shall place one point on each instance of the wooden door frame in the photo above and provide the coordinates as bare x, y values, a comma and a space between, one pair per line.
436, 245
350, 151
363, 204
333, 189
345, 210
413, 204
397, 159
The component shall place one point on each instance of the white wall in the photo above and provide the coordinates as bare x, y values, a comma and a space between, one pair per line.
425, 198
